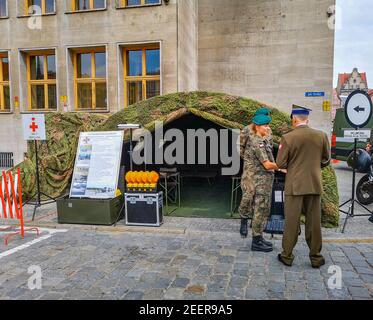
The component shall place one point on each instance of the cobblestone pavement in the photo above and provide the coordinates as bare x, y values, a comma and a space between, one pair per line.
96, 265
186, 258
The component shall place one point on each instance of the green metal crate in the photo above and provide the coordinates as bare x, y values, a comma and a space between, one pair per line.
89, 211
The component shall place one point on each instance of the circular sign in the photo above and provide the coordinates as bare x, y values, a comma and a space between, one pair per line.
358, 109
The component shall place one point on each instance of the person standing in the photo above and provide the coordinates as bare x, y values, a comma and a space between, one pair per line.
303, 152
257, 178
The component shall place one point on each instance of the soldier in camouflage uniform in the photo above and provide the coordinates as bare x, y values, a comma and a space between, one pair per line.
257, 178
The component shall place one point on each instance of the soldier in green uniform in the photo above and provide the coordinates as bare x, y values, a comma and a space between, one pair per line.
257, 178
303, 151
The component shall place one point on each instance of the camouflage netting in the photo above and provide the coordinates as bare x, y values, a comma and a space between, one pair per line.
57, 155
229, 111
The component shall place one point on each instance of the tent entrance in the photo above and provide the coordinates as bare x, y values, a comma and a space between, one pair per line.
201, 199
205, 192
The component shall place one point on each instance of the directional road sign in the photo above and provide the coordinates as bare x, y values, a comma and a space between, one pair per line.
358, 109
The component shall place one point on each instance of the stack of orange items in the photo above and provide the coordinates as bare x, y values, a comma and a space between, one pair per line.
142, 181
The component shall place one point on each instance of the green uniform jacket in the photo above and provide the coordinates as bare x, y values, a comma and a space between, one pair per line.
254, 151
303, 152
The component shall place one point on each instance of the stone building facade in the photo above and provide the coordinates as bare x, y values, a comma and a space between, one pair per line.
349, 82
102, 55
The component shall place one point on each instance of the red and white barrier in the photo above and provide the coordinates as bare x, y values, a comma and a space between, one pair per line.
11, 204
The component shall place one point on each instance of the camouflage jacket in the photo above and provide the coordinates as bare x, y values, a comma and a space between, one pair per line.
254, 151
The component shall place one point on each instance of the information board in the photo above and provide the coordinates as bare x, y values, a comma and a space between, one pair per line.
97, 165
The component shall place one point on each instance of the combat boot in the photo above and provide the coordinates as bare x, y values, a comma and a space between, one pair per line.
267, 243
243, 228
258, 245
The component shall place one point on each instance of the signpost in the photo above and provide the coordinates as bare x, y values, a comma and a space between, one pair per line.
358, 109
34, 130
358, 112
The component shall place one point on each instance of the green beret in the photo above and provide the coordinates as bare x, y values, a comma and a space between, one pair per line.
262, 117
264, 111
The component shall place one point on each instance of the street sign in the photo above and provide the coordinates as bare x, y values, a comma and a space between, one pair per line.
357, 134
33, 127
315, 94
358, 109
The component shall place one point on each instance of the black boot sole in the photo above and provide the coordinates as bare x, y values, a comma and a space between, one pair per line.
261, 249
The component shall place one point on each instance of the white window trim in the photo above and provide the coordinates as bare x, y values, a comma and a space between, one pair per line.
70, 86
120, 68
22, 100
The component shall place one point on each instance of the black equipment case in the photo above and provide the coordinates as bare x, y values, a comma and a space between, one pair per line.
276, 221
144, 209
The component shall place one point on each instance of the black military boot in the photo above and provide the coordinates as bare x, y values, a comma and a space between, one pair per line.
258, 245
267, 243
243, 228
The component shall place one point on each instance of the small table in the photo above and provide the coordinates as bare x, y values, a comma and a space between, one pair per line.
169, 181
236, 184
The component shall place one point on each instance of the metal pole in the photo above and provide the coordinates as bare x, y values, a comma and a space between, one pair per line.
131, 149
351, 209
354, 179
37, 173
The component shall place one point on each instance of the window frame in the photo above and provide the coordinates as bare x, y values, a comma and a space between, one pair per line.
122, 4
43, 6
45, 82
143, 78
6, 11
93, 80
3, 84
91, 6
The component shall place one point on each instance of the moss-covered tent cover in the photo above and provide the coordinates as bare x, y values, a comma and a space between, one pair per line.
58, 153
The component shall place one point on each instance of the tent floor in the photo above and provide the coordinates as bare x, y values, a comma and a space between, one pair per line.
199, 199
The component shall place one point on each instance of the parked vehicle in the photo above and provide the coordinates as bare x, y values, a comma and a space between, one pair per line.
341, 146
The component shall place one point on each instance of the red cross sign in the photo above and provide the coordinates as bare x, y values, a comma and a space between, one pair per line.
33, 127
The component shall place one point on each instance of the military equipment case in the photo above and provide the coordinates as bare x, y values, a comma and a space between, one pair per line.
143, 209
89, 211
276, 221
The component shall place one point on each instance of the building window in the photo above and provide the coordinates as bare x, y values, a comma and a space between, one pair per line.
46, 7
3, 9
141, 73
79, 5
4, 83
41, 80
90, 79
137, 3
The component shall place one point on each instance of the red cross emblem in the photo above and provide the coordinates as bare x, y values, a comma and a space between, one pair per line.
33, 125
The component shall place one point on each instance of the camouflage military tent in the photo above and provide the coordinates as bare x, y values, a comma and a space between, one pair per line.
179, 109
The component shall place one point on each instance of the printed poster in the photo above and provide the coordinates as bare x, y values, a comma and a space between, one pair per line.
97, 165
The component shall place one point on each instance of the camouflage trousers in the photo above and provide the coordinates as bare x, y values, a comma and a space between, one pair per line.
256, 206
